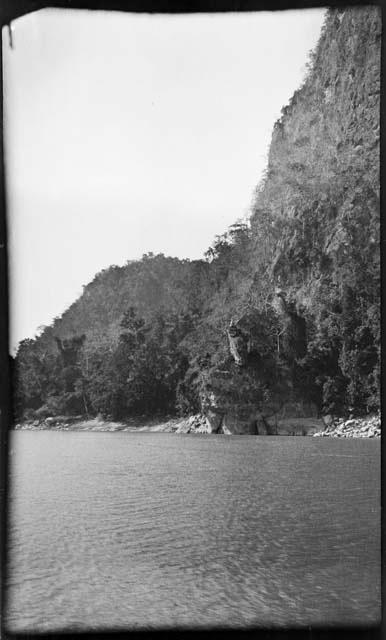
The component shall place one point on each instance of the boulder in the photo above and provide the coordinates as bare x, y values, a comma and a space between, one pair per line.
203, 428
184, 427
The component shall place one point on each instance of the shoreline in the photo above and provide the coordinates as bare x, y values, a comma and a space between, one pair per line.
63, 423
365, 427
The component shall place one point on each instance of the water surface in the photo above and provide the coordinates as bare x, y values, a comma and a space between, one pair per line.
128, 530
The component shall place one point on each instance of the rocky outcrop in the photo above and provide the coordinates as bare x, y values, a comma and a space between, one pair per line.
232, 423
269, 414
194, 424
247, 337
252, 392
231, 399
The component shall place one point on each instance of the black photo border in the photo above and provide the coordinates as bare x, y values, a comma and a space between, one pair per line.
12, 9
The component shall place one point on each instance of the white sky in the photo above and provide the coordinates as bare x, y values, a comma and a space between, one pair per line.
133, 133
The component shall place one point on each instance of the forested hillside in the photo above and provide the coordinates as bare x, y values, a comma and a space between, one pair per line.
286, 306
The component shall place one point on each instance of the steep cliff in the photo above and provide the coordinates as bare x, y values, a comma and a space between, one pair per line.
317, 209
313, 259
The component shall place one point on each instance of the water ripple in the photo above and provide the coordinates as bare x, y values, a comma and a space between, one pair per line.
131, 530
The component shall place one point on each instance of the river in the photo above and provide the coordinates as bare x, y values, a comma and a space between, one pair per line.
155, 530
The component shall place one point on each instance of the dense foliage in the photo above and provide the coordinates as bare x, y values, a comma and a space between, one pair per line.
321, 196
148, 337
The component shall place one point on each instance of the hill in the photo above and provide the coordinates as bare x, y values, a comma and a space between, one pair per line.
282, 315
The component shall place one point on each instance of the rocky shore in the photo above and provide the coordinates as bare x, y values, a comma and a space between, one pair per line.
80, 423
369, 427
159, 424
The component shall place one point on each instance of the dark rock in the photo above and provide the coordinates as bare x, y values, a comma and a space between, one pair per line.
293, 336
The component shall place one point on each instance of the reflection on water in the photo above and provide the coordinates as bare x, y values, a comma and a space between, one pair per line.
125, 530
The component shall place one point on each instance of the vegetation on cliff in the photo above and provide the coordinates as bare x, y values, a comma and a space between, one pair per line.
300, 281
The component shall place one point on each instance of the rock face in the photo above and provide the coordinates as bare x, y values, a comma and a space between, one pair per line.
295, 418
229, 399
292, 339
251, 393
238, 344
247, 337
245, 420
194, 424
321, 192
262, 418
